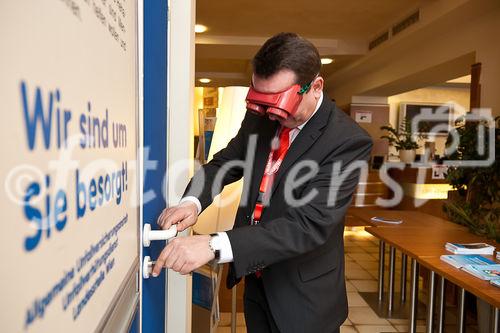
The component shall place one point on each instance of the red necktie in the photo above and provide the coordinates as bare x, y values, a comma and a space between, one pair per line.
276, 157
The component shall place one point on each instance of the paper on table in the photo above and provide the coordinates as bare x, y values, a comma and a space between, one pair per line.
386, 220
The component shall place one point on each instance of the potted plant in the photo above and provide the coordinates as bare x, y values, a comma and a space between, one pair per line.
475, 201
402, 140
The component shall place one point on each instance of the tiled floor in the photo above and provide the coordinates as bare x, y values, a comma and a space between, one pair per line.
361, 256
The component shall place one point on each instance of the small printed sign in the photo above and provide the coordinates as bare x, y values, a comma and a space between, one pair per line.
439, 171
363, 117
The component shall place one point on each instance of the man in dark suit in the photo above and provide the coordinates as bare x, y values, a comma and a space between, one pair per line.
287, 239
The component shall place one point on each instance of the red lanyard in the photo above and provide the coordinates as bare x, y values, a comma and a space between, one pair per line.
267, 179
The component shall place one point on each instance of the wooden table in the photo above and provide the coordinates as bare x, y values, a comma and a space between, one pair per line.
465, 281
420, 242
480, 288
410, 218
425, 246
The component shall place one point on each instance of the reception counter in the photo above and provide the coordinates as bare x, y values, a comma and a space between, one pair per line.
424, 188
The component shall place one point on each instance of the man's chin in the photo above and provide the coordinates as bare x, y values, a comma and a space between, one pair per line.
285, 123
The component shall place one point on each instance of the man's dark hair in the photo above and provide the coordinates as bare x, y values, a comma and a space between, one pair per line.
287, 50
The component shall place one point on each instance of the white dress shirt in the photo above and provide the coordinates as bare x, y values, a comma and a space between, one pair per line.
221, 242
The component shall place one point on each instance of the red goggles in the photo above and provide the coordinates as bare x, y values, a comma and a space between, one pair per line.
282, 104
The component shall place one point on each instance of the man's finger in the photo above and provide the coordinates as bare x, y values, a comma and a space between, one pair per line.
172, 257
181, 226
169, 212
160, 261
185, 269
177, 265
164, 216
174, 218
161, 218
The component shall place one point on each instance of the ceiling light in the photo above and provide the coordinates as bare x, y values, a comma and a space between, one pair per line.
326, 61
199, 28
205, 80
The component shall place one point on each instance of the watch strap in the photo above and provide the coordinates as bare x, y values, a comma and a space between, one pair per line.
214, 250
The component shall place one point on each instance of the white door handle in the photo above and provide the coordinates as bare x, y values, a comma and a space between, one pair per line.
149, 235
147, 267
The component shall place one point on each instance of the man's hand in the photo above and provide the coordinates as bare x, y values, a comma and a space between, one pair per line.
184, 254
184, 215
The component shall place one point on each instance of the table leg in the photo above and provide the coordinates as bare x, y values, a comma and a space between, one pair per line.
404, 259
461, 311
381, 269
442, 304
392, 268
413, 297
233, 310
495, 325
430, 301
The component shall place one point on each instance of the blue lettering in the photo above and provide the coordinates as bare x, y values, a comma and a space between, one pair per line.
100, 189
60, 208
107, 188
92, 194
47, 206
83, 140
81, 195
38, 116
34, 215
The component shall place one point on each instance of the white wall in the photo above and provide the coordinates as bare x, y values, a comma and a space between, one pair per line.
180, 143
441, 47
458, 96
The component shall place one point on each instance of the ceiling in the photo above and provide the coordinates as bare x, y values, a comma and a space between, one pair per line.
236, 29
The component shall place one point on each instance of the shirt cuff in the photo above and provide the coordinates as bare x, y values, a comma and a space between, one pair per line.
224, 245
194, 200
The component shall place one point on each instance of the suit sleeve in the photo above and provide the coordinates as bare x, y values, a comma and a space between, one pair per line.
206, 183
302, 229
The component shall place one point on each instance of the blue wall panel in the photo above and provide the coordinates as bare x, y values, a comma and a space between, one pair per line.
155, 138
134, 326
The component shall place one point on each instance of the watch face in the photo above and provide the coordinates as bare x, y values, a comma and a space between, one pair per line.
214, 246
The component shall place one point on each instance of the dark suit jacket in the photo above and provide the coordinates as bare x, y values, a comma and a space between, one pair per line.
299, 249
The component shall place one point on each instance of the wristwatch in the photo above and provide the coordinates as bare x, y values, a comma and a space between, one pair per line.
215, 246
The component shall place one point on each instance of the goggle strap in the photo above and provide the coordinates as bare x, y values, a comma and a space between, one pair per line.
305, 88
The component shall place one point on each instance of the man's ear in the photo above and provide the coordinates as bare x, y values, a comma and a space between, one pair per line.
317, 86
